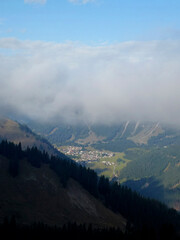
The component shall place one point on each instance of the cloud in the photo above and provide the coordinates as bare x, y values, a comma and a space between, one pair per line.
108, 83
81, 1
35, 1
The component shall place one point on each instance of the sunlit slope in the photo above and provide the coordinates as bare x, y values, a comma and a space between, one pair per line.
15, 132
115, 137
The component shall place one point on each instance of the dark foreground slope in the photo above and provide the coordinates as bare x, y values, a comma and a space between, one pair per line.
57, 191
37, 195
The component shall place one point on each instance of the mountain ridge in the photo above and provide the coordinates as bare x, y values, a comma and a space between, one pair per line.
139, 133
16, 132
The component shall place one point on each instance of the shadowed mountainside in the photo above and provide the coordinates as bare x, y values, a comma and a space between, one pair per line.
36, 195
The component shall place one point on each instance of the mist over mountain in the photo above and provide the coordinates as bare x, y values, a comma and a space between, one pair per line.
47, 81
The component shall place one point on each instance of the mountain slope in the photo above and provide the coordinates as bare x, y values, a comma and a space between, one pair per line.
52, 190
16, 132
36, 194
115, 137
118, 198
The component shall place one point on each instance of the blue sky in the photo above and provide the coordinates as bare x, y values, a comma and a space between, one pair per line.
91, 22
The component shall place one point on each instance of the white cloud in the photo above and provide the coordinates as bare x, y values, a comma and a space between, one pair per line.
125, 81
35, 1
81, 1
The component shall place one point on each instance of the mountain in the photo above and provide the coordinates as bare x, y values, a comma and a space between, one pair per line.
16, 132
36, 187
121, 136
144, 155
37, 195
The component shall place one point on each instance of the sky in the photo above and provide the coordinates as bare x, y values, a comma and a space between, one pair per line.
99, 61
89, 21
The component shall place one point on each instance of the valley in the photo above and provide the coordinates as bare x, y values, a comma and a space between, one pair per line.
152, 168
144, 156
106, 163
137, 168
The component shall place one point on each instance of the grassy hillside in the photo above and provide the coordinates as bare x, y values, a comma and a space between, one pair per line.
110, 167
125, 134
153, 169
154, 172
15, 132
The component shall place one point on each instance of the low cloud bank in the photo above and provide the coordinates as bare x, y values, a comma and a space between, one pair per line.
104, 84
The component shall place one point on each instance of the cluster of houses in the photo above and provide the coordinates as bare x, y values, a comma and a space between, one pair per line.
80, 154
108, 163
